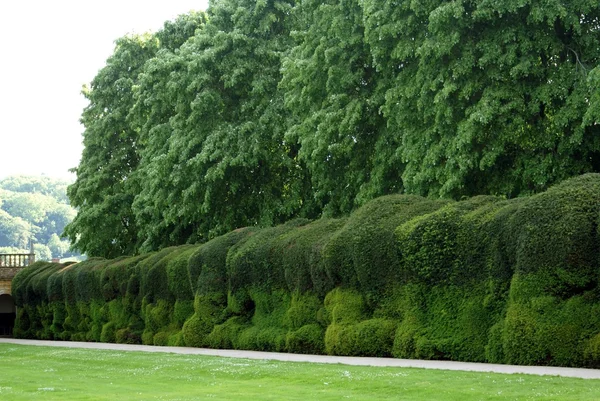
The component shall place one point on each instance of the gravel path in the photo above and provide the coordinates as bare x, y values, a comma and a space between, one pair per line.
344, 360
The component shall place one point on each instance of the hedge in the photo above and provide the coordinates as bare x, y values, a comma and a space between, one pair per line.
485, 279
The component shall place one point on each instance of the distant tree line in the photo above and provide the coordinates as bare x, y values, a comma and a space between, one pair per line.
260, 111
34, 209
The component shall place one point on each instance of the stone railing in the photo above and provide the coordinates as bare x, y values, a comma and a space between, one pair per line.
16, 259
11, 263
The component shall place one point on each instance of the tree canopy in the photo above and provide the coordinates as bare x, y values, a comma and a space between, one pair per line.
34, 209
256, 112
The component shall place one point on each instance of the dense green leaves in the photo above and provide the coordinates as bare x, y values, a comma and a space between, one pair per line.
214, 156
334, 94
34, 209
258, 112
489, 97
482, 279
106, 183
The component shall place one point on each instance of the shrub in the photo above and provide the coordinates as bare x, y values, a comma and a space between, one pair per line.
250, 262
494, 350
308, 339
154, 284
158, 315
182, 311
374, 337
299, 254
177, 273
108, 333
261, 339
225, 336
127, 336
303, 311
195, 331
363, 253
556, 234
207, 265
592, 351
161, 338
345, 306
176, 339
405, 339
483, 279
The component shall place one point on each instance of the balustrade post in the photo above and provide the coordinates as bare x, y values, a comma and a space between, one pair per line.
31, 253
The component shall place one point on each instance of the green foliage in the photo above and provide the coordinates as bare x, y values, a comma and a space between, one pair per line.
127, 336
34, 208
490, 97
108, 333
308, 339
303, 311
332, 89
299, 253
403, 276
557, 236
215, 158
195, 330
251, 262
259, 112
364, 252
207, 265
345, 306
226, 335
592, 351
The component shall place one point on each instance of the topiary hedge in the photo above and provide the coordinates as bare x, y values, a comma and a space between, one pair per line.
485, 279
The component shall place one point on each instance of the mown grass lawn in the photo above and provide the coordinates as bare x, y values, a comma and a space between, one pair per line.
46, 373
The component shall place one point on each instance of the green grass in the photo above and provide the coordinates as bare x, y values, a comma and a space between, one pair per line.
47, 373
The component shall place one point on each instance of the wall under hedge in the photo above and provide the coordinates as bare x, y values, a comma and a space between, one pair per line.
485, 279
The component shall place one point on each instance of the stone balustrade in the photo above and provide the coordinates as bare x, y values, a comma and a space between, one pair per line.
11, 260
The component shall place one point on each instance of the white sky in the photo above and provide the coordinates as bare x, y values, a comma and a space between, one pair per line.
48, 50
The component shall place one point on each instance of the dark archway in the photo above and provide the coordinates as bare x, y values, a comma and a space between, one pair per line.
7, 315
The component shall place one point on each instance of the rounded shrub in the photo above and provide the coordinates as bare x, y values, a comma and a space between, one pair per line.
362, 254
108, 333
179, 283
225, 336
148, 337
252, 262
345, 306
592, 351
308, 339
270, 339
556, 235
176, 339
195, 331
127, 336
182, 311
405, 339
374, 337
521, 337
161, 338
207, 264
299, 253
303, 310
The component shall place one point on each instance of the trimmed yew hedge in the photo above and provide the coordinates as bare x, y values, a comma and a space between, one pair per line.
485, 279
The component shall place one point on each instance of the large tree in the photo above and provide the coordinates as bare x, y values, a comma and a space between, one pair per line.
269, 110
106, 186
488, 97
333, 94
214, 156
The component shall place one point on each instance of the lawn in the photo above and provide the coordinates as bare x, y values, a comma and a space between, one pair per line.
46, 373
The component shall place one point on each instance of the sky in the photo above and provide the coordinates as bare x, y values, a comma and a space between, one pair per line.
49, 50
